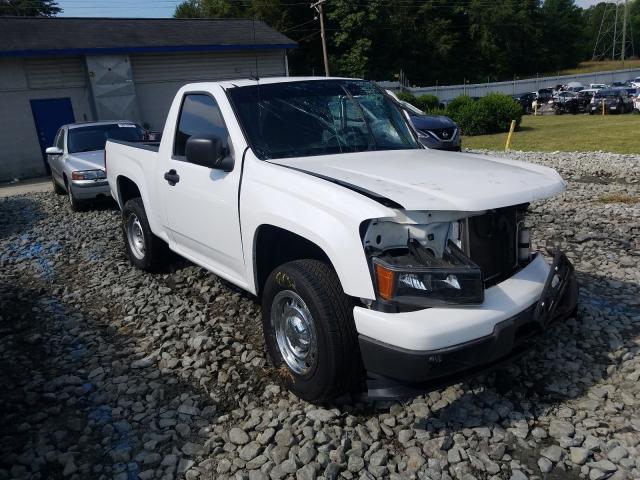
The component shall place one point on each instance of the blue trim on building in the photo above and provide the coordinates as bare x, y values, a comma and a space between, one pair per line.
160, 49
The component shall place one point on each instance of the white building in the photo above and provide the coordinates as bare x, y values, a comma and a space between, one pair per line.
61, 70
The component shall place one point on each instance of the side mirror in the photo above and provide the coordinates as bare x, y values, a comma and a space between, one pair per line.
53, 151
208, 152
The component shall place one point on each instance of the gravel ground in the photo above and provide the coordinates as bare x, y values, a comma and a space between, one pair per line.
109, 372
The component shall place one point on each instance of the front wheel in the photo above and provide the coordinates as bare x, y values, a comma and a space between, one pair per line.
75, 204
144, 249
57, 189
309, 331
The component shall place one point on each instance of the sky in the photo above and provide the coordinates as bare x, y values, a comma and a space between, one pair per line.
146, 8
118, 8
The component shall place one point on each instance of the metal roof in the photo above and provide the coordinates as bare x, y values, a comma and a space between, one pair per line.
40, 36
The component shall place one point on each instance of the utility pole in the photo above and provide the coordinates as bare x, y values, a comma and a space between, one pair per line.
615, 33
318, 8
624, 31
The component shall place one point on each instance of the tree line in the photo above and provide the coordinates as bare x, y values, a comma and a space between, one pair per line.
431, 41
445, 41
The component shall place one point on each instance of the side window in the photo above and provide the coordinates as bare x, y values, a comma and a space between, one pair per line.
200, 116
59, 141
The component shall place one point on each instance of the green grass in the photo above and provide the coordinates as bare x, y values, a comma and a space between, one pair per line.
568, 133
591, 67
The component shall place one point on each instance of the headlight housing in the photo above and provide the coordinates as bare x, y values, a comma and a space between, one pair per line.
420, 279
88, 175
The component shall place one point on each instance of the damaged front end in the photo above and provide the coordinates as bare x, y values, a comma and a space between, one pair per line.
430, 259
457, 293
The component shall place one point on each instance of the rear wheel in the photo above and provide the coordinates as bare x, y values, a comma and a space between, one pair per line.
144, 249
309, 331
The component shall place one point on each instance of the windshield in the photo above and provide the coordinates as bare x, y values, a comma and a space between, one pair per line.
93, 137
320, 117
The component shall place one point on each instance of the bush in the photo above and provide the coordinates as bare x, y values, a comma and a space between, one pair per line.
502, 109
427, 103
490, 114
407, 97
472, 118
458, 103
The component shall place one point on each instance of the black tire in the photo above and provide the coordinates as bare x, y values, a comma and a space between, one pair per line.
152, 254
57, 189
337, 366
75, 204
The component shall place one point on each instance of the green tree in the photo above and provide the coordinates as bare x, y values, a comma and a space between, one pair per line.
562, 34
211, 9
29, 8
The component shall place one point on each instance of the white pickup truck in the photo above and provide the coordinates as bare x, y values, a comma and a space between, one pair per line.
381, 265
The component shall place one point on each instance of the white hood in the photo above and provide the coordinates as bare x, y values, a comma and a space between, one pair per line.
435, 180
93, 160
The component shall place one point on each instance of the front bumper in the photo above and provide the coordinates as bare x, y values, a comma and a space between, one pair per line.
396, 371
88, 189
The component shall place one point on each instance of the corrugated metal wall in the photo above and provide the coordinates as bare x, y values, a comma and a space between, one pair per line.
205, 66
55, 72
158, 77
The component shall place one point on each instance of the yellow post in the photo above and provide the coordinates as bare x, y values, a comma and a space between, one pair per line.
603, 106
511, 130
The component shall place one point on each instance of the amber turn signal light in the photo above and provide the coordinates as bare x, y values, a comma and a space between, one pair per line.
385, 282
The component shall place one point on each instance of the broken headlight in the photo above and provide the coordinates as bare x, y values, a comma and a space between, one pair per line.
415, 276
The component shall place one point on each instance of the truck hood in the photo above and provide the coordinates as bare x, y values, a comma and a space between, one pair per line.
93, 160
435, 180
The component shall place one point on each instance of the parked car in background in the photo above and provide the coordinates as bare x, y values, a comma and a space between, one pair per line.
525, 100
635, 82
618, 84
378, 262
613, 100
566, 102
574, 87
76, 158
438, 132
584, 99
543, 96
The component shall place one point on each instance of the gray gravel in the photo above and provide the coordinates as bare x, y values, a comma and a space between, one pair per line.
107, 372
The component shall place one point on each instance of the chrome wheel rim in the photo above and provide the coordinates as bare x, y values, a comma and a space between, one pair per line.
135, 236
295, 331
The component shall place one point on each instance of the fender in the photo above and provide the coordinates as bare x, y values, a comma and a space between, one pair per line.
319, 211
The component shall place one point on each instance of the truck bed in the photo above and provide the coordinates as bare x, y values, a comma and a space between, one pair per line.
152, 146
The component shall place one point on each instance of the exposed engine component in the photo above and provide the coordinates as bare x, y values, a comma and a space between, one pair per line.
423, 259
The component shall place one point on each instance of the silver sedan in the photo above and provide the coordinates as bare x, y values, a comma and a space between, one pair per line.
77, 158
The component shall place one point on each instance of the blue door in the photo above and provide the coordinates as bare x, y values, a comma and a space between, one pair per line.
49, 115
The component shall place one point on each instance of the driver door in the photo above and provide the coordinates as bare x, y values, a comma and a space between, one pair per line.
202, 205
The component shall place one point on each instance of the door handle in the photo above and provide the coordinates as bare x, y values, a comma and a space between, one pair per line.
172, 177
